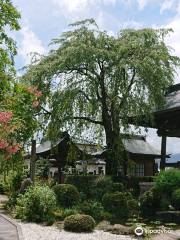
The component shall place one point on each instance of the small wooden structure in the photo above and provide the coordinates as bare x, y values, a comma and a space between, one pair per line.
165, 120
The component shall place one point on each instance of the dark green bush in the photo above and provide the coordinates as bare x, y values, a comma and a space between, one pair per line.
164, 203
15, 182
103, 185
116, 204
92, 208
37, 204
117, 187
176, 199
150, 202
84, 184
67, 195
10, 204
79, 223
2, 188
168, 181
133, 206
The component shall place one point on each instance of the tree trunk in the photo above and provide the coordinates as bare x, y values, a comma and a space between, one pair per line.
33, 160
163, 153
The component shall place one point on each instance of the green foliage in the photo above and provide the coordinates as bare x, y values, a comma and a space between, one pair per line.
133, 206
84, 184
102, 185
9, 17
117, 187
107, 79
150, 202
62, 213
37, 204
168, 181
67, 195
79, 223
92, 208
164, 204
42, 168
116, 204
2, 188
15, 182
176, 199
11, 203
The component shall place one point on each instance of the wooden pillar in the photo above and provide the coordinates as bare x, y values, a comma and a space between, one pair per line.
163, 152
33, 160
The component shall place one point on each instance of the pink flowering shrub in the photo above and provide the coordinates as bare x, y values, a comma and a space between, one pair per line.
7, 127
5, 117
3, 144
36, 94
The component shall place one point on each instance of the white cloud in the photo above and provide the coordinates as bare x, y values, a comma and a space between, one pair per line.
174, 40
166, 5
143, 3
29, 43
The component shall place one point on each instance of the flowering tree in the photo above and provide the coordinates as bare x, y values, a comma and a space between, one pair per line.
18, 122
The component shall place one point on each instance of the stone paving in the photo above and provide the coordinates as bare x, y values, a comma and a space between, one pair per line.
8, 231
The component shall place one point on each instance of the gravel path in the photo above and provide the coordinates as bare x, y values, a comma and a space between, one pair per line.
32, 231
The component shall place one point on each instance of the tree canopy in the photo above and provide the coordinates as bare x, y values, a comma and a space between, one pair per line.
94, 80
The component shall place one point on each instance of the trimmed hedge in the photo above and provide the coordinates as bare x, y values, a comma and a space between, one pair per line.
67, 195
79, 223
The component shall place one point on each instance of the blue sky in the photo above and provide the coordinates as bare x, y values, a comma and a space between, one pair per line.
43, 20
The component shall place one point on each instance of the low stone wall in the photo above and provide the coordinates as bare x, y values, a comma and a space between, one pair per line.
145, 186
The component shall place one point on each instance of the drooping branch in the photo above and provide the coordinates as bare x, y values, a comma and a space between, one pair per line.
128, 88
89, 120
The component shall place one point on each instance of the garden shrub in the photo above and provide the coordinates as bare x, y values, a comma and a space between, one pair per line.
176, 199
10, 204
133, 206
116, 204
150, 202
61, 213
168, 181
2, 188
37, 204
92, 208
79, 223
117, 187
83, 183
164, 203
67, 195
15, 182
103, 185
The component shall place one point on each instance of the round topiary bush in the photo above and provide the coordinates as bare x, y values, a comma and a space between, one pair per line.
176, 199
79, 223
37, 204
67, 195
117, 204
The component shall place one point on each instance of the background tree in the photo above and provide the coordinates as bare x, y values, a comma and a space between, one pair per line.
9, 17
96, 81
19, 103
